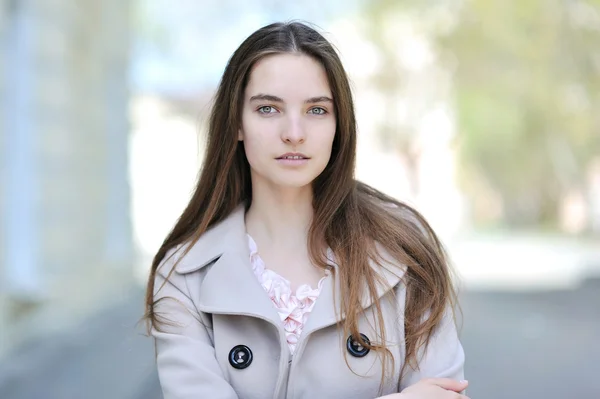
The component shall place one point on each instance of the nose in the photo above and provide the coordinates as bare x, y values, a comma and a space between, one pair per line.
293, 132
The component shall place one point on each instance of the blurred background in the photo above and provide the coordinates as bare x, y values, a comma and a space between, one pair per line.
483, 114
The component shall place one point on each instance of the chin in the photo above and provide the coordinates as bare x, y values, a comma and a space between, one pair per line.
294, 181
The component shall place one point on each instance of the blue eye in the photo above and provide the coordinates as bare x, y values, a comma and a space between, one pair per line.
266, 109
317, 111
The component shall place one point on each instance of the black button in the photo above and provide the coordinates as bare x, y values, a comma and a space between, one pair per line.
240, 357
355, 348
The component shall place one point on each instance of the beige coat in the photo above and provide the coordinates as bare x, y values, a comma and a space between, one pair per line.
216, 303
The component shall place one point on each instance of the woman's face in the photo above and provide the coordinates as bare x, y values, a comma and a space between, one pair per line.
288, 121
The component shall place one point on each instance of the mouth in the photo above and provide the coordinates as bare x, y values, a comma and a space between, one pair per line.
293, 156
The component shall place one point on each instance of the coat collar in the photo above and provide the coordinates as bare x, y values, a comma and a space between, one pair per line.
324, 312
230, 286
225, 236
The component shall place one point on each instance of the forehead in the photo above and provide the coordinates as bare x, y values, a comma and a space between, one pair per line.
289, 76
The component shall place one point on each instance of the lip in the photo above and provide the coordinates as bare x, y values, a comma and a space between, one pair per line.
292, 154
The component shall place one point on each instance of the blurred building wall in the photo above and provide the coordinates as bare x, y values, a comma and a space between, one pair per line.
3, 318
65, 220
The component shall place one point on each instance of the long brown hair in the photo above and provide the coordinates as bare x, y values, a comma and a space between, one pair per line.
349, 216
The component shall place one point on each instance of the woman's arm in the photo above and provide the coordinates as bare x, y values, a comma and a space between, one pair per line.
187, 366
432, 388
442, 358
441, 368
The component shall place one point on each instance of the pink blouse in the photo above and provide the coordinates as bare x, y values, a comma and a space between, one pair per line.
293, 307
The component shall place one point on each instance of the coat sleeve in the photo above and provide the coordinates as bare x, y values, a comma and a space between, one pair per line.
443, 357
185, 356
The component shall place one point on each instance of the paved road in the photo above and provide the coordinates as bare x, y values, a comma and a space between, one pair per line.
529, 346
105, 357
519, 346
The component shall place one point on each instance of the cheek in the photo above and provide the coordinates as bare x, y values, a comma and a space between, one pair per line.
255, 143
252, 149
326, 137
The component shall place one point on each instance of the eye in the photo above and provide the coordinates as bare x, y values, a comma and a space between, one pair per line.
266, 109
317, 111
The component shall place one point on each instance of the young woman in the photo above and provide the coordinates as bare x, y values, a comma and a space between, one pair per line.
285, 277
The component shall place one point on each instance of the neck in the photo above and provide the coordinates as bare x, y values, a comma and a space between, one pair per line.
280, 216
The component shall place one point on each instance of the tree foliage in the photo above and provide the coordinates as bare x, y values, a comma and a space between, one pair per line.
528, 100
526, 91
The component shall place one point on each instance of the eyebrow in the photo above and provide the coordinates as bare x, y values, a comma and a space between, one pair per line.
275, 99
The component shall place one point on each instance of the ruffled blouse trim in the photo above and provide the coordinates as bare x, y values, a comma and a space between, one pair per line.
293, 307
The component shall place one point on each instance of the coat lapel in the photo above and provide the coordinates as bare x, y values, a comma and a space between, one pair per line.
326, 310
230, 286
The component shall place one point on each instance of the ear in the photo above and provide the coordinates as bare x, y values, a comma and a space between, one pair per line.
240, 134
